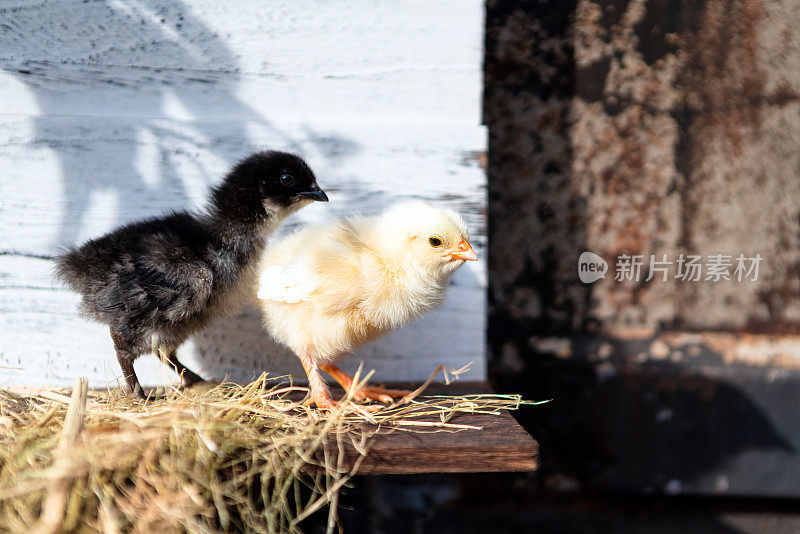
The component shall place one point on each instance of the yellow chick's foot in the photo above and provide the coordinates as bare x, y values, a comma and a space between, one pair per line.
323, 403
329, 405
367, 392
380, 394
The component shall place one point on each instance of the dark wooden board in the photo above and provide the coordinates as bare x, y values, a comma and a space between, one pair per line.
501, 445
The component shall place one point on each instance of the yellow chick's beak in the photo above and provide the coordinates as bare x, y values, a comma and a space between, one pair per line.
464, 252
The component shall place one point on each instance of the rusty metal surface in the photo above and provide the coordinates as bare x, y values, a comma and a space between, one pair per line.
644, 127
648, 127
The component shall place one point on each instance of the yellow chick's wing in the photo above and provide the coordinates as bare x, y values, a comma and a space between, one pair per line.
290, 283
317, 266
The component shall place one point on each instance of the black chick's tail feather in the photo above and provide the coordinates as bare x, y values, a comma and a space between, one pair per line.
69, 268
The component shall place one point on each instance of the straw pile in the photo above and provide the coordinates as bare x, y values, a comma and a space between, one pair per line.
233, 458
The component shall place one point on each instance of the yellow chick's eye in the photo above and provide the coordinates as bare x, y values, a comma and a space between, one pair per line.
435, 241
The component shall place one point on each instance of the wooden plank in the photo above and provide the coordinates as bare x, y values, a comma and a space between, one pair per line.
408, 62
70, 179
73, 178
501, 444
45, 341
115, 111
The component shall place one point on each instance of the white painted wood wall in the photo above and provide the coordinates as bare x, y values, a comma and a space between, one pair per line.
112, 111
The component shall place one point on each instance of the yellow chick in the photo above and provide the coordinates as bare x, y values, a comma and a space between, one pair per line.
326, 289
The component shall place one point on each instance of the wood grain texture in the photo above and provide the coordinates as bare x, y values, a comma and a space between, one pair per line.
115, 111
406, 62
501, 444
42, 216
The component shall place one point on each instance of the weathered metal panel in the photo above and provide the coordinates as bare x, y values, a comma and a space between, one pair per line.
661, 127
648, 127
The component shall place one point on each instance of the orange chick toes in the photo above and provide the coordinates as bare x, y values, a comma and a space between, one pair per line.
367, 392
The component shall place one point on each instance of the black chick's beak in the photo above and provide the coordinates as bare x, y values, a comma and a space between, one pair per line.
314, 193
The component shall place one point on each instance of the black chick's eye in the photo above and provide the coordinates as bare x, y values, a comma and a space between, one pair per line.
435, 241
287, 180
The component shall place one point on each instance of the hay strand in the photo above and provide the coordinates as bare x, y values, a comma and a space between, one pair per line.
55, 503
231, 457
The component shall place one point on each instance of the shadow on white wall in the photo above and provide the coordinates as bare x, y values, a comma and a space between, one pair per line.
136, 107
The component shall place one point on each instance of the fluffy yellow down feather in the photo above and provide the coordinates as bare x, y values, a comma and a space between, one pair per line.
326, 289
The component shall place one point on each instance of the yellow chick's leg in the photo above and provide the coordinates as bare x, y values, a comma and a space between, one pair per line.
320, 395
366, 392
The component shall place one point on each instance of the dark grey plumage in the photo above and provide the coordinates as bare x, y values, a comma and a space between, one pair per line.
157, 281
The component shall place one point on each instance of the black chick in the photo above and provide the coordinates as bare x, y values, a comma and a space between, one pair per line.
157, 281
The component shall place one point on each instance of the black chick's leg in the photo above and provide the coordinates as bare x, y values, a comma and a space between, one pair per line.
125, 356
188, 377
